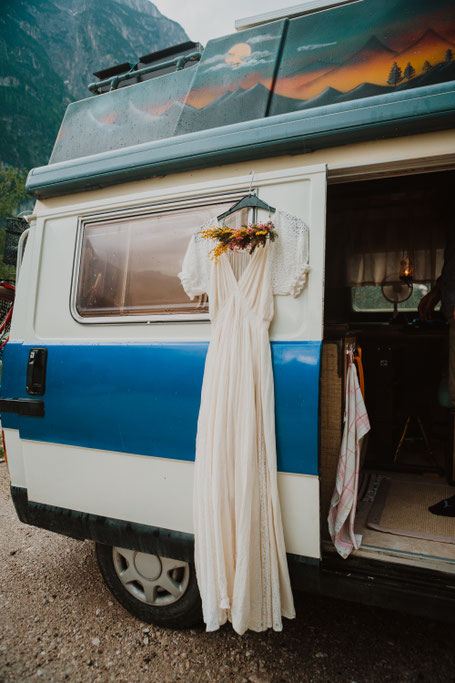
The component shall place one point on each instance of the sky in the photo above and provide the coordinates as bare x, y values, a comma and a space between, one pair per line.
205, 19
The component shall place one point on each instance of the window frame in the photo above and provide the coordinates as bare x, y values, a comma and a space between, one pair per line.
383, 311
131, 213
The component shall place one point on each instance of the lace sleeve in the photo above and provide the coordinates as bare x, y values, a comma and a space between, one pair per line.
290, 254
195, 273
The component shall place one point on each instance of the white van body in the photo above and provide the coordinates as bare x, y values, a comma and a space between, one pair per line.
99, 405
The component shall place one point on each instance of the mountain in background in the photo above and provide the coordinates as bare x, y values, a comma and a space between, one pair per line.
49, 50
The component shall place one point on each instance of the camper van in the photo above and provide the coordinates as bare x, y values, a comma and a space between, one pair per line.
340, 113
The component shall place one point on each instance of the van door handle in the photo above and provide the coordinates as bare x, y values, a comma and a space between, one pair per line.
36, 372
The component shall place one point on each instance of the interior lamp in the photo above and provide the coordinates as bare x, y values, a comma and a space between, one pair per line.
406, 269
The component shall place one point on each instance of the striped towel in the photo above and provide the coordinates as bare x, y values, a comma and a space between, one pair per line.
344, 500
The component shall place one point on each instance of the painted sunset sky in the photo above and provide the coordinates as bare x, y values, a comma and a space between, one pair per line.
236, 61
360, 43
339, 48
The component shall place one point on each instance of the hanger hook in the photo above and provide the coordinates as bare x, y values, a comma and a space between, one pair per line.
252, 180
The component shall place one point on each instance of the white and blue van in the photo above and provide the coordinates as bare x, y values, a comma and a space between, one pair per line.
102, 373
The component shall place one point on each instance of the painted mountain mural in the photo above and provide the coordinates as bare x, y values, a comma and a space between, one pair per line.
373, 70
125, 117
350, 52
368, 48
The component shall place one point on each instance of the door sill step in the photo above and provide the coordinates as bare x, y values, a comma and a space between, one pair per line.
404, 557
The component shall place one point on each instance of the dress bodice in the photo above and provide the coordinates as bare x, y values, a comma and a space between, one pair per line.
287, 258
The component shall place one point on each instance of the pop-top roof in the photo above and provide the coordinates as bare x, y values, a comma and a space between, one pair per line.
301, 73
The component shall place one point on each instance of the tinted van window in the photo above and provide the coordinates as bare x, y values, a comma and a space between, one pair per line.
130, 266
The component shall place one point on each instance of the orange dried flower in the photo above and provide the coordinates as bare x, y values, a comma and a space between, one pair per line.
247, 237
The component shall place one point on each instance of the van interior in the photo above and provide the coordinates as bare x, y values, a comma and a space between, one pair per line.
385, 250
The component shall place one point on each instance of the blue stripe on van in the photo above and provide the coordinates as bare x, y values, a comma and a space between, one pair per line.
144, 399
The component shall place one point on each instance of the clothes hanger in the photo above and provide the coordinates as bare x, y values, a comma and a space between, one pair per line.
249, 201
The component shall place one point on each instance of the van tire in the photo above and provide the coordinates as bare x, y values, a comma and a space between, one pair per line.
184, 612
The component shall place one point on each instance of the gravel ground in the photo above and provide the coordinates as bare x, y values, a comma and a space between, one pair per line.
58, 622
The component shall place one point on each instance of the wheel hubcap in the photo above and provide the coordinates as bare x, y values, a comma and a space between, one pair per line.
155, 580
148, 566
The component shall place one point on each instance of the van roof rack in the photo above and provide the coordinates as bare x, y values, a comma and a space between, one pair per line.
155, 64
113, 71
173, 51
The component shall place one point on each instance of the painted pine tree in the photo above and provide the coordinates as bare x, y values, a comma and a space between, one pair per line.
426, 65
448, 55
395, 75
409, 71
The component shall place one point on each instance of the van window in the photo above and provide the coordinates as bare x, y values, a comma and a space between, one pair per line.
370, 299
130, 266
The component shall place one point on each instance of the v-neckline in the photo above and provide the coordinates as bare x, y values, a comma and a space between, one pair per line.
248, 265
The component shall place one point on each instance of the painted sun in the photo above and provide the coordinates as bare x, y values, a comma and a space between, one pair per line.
237, 54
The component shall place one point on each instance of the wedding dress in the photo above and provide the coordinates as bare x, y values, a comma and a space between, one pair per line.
240, 555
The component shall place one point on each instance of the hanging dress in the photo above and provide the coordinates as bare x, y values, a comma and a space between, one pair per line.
240, 555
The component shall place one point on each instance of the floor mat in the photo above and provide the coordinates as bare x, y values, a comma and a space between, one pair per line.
401, 508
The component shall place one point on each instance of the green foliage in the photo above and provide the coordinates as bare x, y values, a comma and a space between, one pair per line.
12, 194
395, 75
409, 71
12, 190
6, 272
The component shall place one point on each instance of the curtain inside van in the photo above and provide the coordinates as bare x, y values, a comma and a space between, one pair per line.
377, 235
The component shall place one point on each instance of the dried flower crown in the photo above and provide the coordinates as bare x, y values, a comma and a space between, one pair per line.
248, 237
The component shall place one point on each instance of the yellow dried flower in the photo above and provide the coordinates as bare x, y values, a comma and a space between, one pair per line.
217, 251
247, 237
